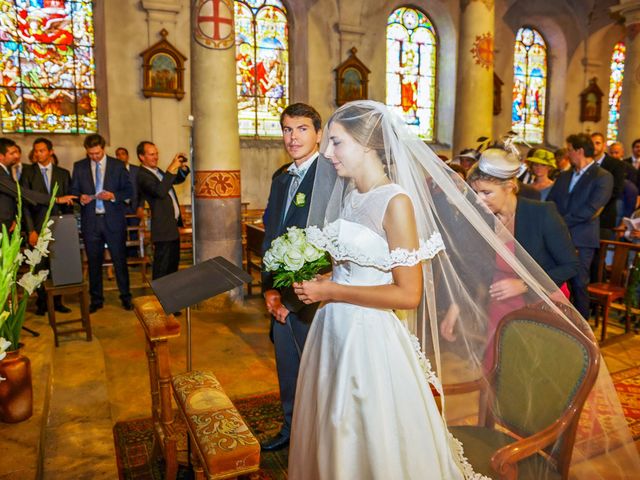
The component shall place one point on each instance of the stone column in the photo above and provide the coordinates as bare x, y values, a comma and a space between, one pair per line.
629, 126
216, 140
474, 85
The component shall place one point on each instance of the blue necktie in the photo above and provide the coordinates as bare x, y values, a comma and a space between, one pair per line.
46, 179
99, 203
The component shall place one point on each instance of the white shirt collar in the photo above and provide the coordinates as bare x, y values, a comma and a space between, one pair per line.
599, 160
302, 169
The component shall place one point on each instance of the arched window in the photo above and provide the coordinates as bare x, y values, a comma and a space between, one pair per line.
615, 90
47, 66
411, 69
529, 85
262, 65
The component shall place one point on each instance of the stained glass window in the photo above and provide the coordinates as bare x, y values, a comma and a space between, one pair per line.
615, 90
529, 85
411, 69
47, 66
262, 65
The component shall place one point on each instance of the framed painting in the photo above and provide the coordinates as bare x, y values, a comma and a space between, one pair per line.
591, 102
352, 79
163, 70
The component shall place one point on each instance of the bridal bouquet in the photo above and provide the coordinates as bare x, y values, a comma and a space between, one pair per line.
294, 259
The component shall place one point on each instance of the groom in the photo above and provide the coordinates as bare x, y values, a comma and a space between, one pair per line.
307, 180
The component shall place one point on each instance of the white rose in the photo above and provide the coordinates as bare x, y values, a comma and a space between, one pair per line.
269, 262
297, 238
293, 260
311, 253
278, 248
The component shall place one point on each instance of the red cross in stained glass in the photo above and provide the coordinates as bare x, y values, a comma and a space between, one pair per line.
214, 19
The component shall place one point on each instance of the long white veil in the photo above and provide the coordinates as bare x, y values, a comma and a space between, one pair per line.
476, 242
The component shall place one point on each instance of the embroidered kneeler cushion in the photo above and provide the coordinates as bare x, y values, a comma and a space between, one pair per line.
225, 445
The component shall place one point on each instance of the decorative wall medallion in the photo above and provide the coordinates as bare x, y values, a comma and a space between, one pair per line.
632, 31
213, 24
218, 184
482, 50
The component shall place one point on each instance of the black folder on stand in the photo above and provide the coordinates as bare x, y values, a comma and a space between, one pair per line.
192, 285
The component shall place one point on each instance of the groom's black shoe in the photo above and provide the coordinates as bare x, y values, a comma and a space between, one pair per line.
276, 443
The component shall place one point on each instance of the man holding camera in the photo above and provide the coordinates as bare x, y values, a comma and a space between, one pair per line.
156, 187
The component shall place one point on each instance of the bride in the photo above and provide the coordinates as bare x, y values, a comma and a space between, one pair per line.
405, 234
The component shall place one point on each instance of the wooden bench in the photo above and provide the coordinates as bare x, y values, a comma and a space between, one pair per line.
253, 251
226, 451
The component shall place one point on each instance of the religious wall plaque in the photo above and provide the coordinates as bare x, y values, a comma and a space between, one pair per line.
591, 102
352, 78
163, 70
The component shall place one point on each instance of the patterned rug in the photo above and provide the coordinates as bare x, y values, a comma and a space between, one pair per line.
627, 385
134, 443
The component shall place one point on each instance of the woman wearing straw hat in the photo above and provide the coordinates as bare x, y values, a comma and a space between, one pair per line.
542, 162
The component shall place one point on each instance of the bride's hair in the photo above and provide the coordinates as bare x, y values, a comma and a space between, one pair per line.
365, 126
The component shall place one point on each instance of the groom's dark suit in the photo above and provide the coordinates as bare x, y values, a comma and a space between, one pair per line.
581, 208
289, 338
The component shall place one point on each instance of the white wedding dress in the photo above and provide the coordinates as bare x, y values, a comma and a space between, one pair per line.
364, 409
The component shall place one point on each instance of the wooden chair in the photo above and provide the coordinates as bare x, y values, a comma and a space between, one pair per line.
536, 429
612, 281
253, 251
136, 238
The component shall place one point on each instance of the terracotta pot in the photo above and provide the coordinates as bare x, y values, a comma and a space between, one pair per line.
16, 392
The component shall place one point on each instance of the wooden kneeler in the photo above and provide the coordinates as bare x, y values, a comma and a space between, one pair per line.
226, 451
168, 433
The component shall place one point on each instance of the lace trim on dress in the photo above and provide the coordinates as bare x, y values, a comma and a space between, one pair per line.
328, 239
456, 445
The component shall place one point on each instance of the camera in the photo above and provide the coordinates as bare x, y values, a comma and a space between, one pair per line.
183, 159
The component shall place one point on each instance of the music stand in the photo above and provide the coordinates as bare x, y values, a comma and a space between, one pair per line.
192, 285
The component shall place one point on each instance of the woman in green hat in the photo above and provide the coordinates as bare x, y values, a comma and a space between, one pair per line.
542, 163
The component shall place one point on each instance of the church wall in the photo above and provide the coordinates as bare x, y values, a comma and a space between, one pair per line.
599, 49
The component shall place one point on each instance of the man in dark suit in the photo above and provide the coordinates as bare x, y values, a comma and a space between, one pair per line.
41, 177
609, 216
9, 156
102, 184
156, 187
134, 206
292, 193
132, 203
580, 196
634, 159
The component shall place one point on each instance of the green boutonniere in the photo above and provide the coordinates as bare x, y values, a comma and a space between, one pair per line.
300, 200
